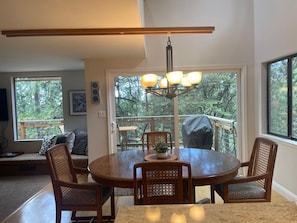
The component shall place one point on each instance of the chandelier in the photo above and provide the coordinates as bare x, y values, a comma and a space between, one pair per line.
174, 83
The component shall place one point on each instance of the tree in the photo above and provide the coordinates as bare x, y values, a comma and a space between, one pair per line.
38, 99
215, 96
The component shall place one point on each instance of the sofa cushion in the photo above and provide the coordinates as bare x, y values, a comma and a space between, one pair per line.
70, 139
80, 146
67, 138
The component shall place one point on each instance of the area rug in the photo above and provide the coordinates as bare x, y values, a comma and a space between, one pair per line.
15, 190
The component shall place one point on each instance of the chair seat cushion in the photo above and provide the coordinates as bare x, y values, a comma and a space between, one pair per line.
250, 190
85, 197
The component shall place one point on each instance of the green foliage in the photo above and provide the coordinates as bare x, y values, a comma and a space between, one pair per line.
278, 84
215, 96
130, 99
282, 97
39, 99
160, 147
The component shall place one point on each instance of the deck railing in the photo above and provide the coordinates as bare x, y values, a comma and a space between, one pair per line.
225, 133
35, 129
224, 139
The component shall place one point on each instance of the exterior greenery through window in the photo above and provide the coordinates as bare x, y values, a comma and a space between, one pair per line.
215, 96
38, 107
282, 97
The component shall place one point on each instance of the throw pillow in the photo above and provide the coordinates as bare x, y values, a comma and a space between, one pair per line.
70, 141
80, 142
66, 137
58, 139
49, 141
46, 144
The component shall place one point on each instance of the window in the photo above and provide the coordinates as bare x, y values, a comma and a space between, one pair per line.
134, 107
38, 107
282, 97
216, 96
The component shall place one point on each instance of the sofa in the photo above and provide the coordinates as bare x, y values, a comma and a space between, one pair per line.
36, 164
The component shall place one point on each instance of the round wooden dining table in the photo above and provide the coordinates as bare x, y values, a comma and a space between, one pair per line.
208, 166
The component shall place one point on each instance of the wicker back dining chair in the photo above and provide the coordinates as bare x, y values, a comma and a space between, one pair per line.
149, 139
162, 183
69, 193
256, 185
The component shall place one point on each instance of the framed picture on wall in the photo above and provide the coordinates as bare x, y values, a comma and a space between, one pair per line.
78, 104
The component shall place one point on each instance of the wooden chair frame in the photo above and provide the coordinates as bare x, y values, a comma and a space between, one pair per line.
162, 183
151, 138
65, 184
260, 170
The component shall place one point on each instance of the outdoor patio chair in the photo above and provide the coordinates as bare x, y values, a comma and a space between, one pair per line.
138, 139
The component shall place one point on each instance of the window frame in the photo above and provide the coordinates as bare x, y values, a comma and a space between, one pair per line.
14, 101
289, 76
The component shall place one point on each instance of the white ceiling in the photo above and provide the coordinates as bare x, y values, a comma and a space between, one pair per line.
66, 52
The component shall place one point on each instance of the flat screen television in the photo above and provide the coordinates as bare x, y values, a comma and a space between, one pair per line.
3, 105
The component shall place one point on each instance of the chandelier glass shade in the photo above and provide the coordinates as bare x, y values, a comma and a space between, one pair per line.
172, 84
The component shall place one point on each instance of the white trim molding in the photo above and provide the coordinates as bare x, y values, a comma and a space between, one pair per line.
284, 191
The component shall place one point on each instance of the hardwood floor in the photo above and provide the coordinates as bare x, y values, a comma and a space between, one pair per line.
41, 207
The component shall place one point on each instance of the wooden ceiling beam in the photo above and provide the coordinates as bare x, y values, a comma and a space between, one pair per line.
107, 31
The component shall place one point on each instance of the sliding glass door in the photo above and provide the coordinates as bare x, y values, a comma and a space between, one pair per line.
216, 96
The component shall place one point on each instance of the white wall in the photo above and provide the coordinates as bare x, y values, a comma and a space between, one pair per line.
275, 36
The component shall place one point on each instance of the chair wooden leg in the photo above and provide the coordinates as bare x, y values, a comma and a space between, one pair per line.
194, 194
112, 208
112, 205
73, 215
99, 216
212, 194
58, 216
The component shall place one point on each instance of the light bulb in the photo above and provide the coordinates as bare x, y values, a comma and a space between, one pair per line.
174, 77
149, 80
163, 83
194, 77
185, 82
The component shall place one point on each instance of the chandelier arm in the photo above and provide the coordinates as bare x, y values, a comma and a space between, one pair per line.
184, 91
170, 92
154, 91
